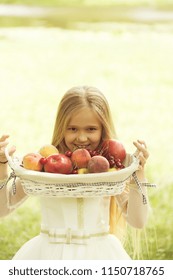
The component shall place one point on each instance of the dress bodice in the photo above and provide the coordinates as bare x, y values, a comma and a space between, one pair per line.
76, 213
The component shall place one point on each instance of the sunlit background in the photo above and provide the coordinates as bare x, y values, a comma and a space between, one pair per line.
122, 47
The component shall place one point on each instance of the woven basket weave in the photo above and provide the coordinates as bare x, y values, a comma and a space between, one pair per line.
72, 185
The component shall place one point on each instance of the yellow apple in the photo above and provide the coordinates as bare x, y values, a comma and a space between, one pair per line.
48, 150
112, 169
82, 170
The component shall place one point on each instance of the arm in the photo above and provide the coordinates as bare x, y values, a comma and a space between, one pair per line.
131, 201
8, 202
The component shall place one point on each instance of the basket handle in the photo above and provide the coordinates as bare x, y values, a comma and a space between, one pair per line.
9, 158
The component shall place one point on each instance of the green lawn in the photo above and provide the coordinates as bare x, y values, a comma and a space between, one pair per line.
152, 3
132, 64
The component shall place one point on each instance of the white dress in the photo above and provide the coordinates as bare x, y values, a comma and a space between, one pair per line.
73, 229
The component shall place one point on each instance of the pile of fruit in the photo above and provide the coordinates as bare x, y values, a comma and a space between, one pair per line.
81, 161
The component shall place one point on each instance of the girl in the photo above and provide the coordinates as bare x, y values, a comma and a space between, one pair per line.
81, 228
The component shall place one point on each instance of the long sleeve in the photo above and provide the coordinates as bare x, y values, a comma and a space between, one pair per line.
132, 206
131, 202
9, 200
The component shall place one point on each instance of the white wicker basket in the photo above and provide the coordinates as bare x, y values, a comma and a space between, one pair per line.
72, 185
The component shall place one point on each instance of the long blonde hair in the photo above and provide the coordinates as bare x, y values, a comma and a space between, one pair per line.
73, 100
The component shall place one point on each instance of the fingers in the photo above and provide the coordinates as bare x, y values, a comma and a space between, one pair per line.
3, 145
141, 152
12, 150
3, 138
142, 160
141, 148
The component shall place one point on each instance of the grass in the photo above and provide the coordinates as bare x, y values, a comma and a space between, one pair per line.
152, 3
19, 227
63, 14
132, 65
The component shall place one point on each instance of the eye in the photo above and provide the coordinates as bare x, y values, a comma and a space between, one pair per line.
92, 129
73, 129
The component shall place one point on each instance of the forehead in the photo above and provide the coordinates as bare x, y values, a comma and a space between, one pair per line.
85, 116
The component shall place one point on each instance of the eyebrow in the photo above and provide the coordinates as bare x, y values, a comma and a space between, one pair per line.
90, 125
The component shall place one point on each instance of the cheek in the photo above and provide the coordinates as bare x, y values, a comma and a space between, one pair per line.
68, 138
97, 137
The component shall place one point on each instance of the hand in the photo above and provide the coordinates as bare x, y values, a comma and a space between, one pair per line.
3, 145
141, 152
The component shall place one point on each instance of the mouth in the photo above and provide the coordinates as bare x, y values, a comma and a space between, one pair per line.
82, 146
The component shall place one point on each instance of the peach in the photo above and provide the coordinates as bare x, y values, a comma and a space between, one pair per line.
98, 164
80, 158
31, 161
48, 150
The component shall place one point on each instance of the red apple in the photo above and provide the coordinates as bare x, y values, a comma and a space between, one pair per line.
58, 163
80, 158
43, 160
113, 149
98, 164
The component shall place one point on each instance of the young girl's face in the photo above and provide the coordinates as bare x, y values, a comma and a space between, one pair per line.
84, 130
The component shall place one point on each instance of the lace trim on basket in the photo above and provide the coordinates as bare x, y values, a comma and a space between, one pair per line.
4, 182
140, 184
11, 190
73, 189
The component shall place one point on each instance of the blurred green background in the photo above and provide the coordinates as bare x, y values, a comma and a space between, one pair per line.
122, 47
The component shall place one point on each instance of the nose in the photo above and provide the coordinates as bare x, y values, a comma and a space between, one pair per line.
82, 137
